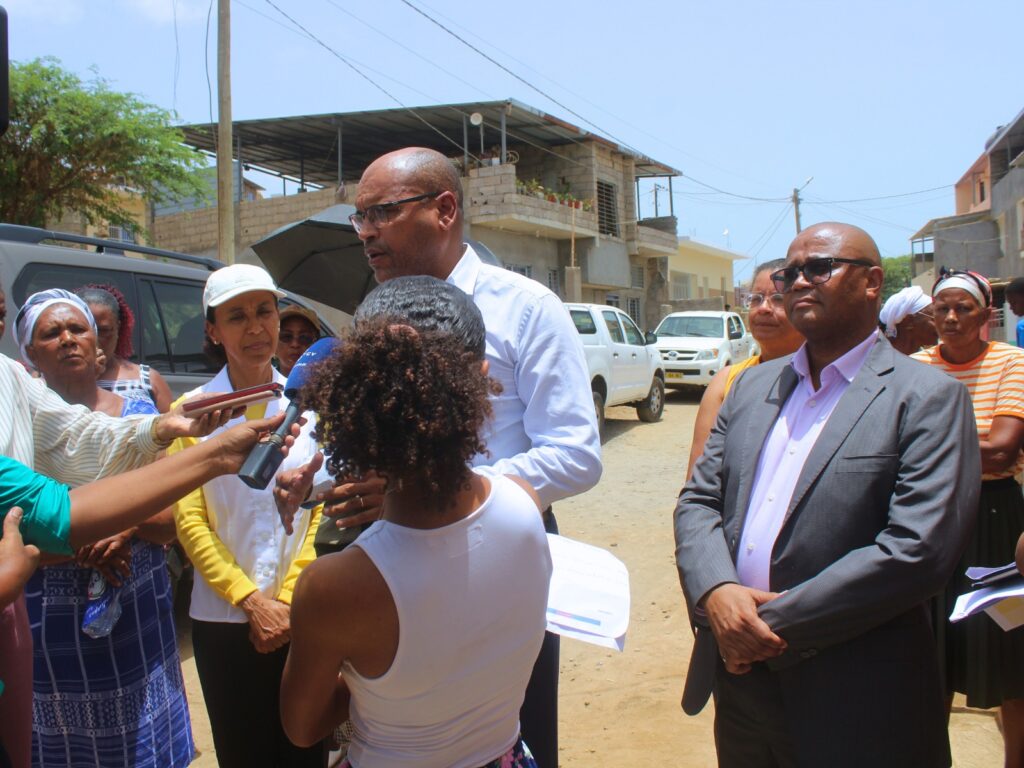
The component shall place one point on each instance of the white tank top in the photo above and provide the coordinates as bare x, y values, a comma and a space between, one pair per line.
471, 600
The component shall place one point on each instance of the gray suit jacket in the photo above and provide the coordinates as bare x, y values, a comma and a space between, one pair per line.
877, 521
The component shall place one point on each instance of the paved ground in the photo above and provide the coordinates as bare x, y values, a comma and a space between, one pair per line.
617, 707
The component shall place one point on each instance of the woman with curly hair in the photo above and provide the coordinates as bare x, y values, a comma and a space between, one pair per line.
115, 321
435, 615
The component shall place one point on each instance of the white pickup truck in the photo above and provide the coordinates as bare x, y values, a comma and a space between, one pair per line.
625, 368
694, 346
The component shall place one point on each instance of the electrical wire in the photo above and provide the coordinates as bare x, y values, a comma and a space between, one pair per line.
177, 57
366, 77
521, 79
887, 197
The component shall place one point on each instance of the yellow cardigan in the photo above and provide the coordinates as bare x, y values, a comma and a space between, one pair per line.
211, 557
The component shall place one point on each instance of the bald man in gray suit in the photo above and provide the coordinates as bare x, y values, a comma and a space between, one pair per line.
833, 499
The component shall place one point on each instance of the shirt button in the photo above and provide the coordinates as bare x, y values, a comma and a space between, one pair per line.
811, 403
771, 497
750, 547
792, 451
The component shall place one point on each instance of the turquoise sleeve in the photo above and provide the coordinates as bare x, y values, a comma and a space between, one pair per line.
46, 504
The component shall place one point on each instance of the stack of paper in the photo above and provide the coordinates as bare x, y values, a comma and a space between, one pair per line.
589, 594
1002, 599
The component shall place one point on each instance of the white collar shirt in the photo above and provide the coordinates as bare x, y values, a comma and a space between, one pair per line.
544, 429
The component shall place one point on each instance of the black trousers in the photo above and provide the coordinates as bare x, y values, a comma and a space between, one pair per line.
242, 689
538, 718
750, 721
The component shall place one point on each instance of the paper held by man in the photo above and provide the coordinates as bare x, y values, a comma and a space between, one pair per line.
1002, 599
589, 595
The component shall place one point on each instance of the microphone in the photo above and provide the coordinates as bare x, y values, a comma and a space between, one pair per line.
265, 458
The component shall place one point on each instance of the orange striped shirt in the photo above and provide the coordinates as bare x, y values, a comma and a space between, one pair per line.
995, 381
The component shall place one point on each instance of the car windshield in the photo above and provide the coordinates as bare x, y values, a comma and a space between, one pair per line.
705, 327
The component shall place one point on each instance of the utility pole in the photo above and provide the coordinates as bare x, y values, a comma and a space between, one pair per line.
225, 139
796, 202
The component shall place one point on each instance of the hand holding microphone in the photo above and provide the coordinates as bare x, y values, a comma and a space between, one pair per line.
262, 464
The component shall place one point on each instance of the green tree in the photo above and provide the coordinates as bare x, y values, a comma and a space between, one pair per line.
72, 145
897, 275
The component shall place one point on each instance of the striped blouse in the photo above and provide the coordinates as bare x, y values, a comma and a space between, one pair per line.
995, 381
67, 442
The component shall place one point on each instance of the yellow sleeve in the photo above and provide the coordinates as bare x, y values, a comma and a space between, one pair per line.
305, 556
211, 558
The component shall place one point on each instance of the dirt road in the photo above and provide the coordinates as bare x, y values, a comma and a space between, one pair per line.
617, 707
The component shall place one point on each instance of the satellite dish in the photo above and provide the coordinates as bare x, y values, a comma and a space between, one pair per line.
476, 118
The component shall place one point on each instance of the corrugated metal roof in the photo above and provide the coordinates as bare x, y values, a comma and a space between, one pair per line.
306, 146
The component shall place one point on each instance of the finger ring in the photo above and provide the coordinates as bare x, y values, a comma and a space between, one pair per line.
360, 498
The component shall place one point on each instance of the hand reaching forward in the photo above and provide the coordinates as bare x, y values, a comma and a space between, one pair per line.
743, 636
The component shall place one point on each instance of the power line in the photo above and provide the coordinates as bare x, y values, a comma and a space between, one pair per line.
732, 194
521, 79
888, 197
367, 78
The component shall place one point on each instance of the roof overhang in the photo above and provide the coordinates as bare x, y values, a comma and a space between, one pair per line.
946, 222
306, 147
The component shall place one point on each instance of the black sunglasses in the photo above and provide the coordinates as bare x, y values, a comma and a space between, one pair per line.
815, 272
377, 215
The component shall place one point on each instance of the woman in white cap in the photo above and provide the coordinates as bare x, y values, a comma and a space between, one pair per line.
246, 566
907, 320
981, 660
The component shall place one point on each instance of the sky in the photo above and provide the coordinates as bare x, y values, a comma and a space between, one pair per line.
748, 99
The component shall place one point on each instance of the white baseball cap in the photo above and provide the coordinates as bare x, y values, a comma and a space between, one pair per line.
234, 280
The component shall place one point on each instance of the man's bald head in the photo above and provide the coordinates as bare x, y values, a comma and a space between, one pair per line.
418, 229
842, 240
425, 169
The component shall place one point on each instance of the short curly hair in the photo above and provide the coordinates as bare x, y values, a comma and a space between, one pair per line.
406, 402
110, 297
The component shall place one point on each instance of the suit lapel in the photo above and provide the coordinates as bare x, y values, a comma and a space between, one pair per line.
864, 388
762, 419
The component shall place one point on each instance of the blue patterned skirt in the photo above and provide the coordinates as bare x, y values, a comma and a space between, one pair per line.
113, 701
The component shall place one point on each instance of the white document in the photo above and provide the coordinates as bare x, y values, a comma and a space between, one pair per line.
589, 594
1004, 603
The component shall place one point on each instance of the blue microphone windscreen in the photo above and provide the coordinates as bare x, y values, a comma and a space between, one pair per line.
317, 353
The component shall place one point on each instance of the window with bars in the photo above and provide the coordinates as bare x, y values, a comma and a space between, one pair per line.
607, 210
121, 234
553, 282
679, 285
636, 276
633, 308
520, 269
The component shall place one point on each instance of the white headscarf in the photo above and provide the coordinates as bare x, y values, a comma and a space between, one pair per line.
33, 309
961, 281
907, 302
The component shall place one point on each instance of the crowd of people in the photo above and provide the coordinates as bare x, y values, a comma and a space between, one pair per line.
395, 574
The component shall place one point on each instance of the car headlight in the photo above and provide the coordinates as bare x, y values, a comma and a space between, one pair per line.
707, 354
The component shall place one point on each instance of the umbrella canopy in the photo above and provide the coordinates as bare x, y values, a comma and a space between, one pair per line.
320, 258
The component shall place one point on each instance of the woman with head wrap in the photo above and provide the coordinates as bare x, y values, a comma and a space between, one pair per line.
981, 660
117, 700
435, 615
907, 320
114, 324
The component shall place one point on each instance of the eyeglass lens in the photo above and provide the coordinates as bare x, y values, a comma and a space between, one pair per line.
302, 338
755, 300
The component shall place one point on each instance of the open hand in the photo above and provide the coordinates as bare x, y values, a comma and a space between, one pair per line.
355, 502
18, 560
292, 487
175, 423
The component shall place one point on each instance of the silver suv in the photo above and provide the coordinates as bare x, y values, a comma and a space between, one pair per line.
164, 289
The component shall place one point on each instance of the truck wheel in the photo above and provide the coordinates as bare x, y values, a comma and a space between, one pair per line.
654, 404
599, 411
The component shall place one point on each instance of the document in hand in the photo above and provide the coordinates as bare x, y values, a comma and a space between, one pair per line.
589, 594
1003, 600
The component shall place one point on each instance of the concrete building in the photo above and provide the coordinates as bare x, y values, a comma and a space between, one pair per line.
986, 233
553, 201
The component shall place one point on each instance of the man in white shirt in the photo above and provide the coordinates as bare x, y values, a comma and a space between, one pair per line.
409, 217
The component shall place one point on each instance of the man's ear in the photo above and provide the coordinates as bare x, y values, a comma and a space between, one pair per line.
876, 278
448, 209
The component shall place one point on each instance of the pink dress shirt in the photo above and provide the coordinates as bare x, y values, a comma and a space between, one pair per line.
801, 421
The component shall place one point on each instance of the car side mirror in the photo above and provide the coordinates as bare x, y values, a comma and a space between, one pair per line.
650, 337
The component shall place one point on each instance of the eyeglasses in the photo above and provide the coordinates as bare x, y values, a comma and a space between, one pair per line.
755, 300
815, 272
287, 337
377, 215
